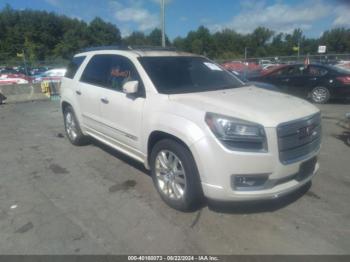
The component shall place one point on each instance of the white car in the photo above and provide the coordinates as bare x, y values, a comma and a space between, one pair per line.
52, 75
200, 130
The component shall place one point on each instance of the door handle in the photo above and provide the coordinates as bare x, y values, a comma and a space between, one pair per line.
285, 80
313, 78
78, 92
104, 100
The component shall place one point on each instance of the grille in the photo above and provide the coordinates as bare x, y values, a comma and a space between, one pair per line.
298, 139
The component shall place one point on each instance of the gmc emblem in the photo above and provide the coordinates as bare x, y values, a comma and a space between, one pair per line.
306, 131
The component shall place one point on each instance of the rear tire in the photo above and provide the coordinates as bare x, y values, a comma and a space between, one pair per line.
175, 175
72, 128
320, 95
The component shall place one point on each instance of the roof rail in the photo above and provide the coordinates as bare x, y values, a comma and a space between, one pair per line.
152, 48
124, 47
110, 47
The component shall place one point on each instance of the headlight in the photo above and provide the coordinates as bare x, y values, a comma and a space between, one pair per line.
237, 134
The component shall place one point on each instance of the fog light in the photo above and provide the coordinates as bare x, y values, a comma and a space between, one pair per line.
249, 182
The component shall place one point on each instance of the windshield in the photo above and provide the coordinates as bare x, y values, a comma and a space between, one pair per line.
176, 75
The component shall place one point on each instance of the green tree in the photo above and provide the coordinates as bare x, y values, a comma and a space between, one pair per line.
155, 38
228, 44
200, 42
102, 33
337, 40
179, 43
46, 36
76, 37
136, 38
258, 40
292, 40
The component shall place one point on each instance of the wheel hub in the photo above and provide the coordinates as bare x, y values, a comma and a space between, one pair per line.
319, 94
170, 175
70, 126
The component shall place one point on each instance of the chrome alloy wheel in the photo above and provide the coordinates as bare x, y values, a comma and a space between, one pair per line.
319, 95
71, 126
170, 174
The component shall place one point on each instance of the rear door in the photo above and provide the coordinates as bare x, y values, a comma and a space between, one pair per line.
315, 77
297, 80
92, 82
70, 83
305, 78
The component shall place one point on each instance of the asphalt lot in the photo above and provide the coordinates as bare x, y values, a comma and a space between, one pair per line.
59, 199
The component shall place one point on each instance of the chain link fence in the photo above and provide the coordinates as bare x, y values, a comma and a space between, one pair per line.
320, 58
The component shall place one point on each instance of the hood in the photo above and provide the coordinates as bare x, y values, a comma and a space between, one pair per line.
265, 107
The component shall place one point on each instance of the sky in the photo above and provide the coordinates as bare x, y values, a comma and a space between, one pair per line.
182, 16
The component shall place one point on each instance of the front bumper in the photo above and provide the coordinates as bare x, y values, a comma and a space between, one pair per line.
218, 165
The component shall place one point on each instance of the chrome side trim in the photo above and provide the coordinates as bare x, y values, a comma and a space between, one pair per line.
127, 150
135, 138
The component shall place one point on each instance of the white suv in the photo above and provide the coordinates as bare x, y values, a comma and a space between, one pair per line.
200, 130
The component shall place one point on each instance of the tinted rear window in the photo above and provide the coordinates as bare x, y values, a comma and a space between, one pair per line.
73, 66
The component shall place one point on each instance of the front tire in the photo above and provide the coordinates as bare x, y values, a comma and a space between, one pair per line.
320, 95
72, 128
175, 175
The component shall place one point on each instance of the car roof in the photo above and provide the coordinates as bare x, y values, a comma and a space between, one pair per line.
135, 51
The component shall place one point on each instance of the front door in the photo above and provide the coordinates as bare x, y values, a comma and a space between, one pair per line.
121, 113
291, 79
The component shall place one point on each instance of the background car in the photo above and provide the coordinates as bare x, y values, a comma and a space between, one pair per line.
315, 81
53, 75
38, 70
8, 77
243, 78
242, 66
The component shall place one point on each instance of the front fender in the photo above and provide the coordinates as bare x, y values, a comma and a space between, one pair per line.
184, 129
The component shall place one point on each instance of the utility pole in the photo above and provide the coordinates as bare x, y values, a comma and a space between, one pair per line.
25, 62
245, 60
162, 16
298, 48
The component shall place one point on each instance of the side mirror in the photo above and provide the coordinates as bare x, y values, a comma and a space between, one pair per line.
130, 87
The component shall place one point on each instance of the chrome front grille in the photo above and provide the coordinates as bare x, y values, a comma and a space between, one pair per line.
299, 139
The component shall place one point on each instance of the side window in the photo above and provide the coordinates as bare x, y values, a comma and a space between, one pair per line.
317, 71
295, 70
73, 66
121, 71
97, 70
110, 71
285, 71
277, 72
